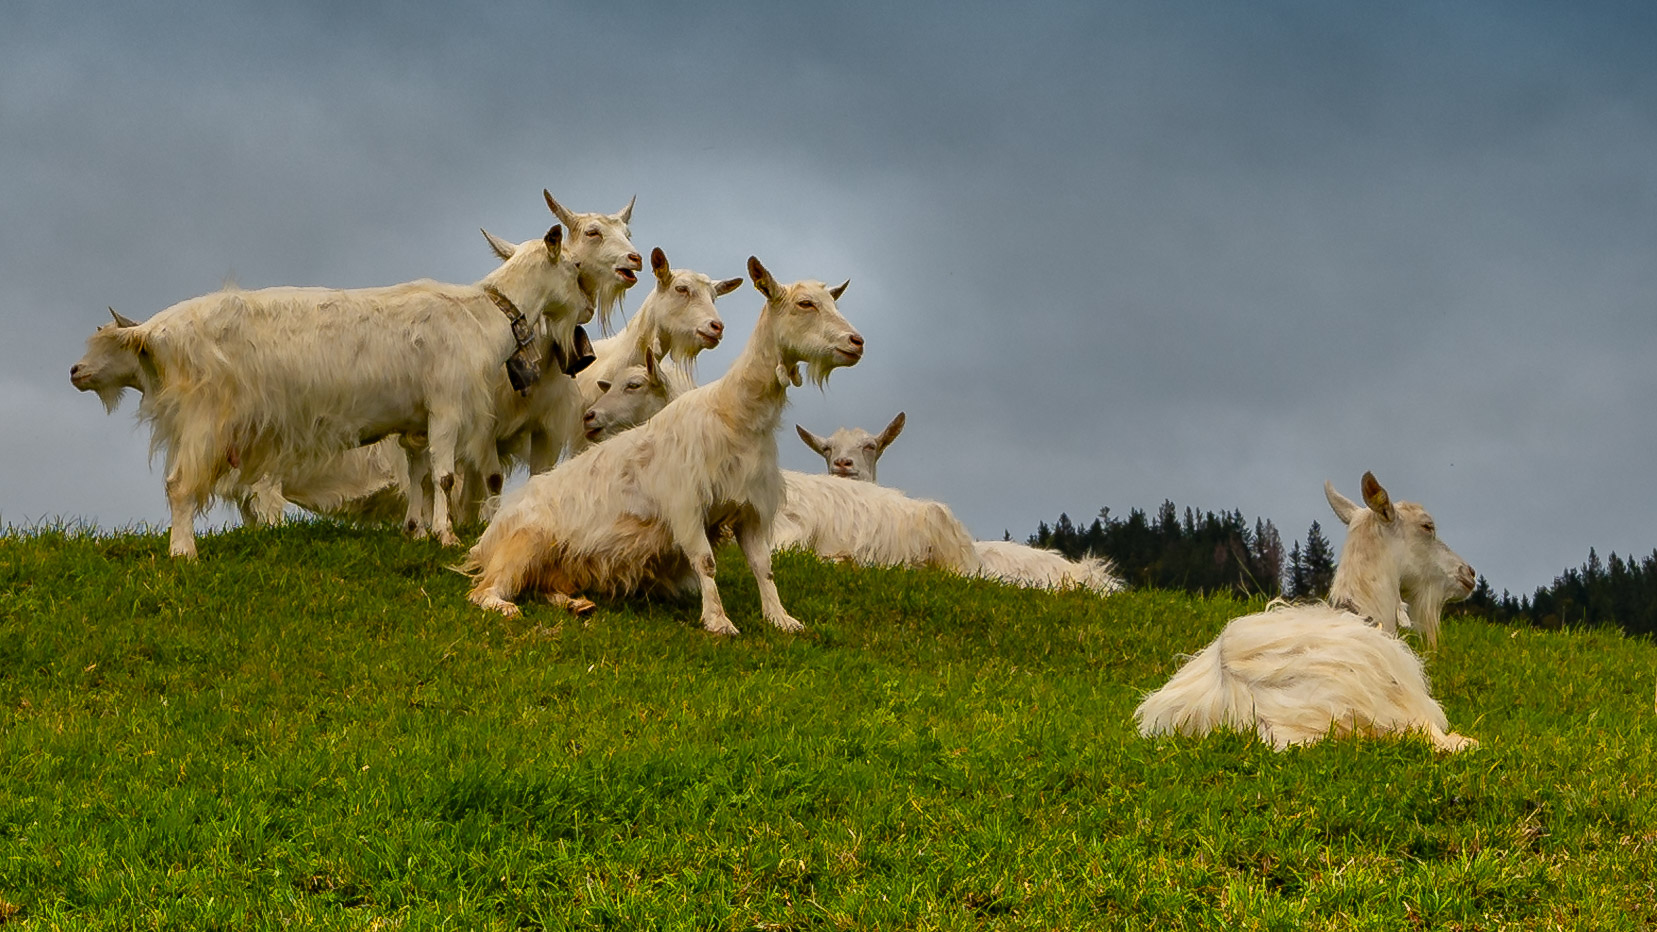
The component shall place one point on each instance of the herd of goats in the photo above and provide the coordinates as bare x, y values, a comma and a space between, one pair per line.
410, 403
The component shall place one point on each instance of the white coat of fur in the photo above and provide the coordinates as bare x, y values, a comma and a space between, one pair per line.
1296, 673
869, 524
279, 379
635, 514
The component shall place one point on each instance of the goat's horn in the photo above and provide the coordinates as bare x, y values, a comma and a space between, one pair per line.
121, 321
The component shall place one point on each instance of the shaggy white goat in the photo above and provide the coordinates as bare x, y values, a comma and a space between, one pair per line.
635, 514
278, 380
1295, 673
852, 453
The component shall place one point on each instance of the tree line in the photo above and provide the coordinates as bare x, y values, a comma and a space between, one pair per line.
1224, 552
1197, 551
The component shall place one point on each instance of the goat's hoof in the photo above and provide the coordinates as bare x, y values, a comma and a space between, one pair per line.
720, 626
496, 604
447, 538
1454, 742
414, 530
582, 606
182, 553
788, 623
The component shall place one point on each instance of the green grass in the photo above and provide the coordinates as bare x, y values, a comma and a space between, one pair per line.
311, 728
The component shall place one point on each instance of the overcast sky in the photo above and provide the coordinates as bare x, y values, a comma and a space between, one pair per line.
1103, 254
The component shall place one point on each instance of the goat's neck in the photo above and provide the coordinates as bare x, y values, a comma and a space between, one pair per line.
751, 396
1366, 582
640, 331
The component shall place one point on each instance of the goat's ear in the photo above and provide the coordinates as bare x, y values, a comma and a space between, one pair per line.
762, 279
891, 432
816, 443
122, 321
625, 215
650, 366
1344, 507
658, 264
555, 241
839, 289
726, 287
559, 210
603, 385
502, 249
1377, 499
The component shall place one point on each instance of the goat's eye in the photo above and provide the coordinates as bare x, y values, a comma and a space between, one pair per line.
808, 305
634, 385
681, 289
593, 231
1429, 528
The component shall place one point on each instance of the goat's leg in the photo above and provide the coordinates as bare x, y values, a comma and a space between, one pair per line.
756, 549
419, 490
443, 434
182, 536
694, 542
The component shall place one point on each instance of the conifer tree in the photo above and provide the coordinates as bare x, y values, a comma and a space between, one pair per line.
1317, 563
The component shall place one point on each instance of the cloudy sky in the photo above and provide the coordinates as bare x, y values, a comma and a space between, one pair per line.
1103, 254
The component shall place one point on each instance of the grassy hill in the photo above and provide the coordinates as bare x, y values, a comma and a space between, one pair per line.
311, 728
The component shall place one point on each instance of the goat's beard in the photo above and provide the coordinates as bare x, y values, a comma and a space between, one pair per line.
608, 301
111, 397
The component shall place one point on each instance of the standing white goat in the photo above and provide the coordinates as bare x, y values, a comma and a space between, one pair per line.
854, 453
636, 513
276, 380
1295, 673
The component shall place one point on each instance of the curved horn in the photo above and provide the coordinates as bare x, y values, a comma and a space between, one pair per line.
122, 321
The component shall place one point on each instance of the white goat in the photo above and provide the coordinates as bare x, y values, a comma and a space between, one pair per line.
635, 514
280, 379
677, 320
603, 244
637, 395
854, 453
1295, 673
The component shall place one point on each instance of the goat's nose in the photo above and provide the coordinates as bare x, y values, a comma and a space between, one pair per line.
74, 369
589, 417
634, 258
716, 326
857, 339
843, 463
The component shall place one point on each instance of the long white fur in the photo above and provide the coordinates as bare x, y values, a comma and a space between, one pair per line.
274, 380
635, 514
870, 524
1023, 565
1296, 673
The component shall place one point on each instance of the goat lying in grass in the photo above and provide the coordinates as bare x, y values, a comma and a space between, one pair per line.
1295, 673
635, 514
886, 530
